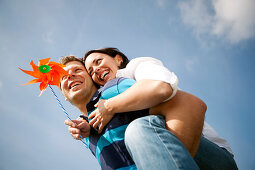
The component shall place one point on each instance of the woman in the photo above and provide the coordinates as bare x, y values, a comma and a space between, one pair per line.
155, 86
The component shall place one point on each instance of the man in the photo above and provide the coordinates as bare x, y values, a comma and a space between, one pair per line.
172, 153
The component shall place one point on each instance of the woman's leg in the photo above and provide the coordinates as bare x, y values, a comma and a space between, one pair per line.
153, 147
211, 157
184, 115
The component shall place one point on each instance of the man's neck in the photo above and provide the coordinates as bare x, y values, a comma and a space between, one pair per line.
82, 104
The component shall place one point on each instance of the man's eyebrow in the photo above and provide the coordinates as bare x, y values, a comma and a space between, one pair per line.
76, 67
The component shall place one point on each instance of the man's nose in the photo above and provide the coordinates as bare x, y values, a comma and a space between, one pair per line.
71, 74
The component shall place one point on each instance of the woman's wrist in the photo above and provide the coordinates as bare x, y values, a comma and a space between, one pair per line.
109, 105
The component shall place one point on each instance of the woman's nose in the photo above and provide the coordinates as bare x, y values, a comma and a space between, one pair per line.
97, 69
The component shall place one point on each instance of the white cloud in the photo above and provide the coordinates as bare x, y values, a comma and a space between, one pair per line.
190, 63
232, 20
48, 37
161, 3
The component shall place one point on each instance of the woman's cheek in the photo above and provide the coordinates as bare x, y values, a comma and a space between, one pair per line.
95, 79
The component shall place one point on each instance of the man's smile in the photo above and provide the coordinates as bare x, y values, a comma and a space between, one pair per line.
74, 85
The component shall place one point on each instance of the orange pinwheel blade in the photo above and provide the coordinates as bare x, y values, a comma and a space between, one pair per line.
56, 79
60, 70
31, 73
43, 87
33, 81
44, 61
34, 67
52, 63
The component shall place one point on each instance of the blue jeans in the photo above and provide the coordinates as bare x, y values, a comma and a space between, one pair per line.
153, 147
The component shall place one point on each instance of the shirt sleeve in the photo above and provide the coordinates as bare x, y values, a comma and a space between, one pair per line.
152, 69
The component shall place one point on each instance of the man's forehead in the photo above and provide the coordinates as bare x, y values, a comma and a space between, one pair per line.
73, 64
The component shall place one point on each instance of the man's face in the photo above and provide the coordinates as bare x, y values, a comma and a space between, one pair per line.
78, 86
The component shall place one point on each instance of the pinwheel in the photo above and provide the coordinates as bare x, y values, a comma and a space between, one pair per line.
48, 73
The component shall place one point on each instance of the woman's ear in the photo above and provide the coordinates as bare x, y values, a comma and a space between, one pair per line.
118, 58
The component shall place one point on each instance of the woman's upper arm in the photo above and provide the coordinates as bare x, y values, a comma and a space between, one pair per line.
155, 70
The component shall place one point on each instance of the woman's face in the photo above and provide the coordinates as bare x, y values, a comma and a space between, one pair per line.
102, 67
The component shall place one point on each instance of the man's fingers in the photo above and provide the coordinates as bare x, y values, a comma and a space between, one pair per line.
70, 123
73, 130
76, 136
81, 125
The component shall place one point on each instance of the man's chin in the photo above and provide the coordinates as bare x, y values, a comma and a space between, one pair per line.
75, 96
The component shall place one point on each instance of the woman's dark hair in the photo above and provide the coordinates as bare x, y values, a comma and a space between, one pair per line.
111, 52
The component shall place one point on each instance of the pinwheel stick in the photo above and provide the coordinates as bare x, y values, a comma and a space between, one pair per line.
64, 110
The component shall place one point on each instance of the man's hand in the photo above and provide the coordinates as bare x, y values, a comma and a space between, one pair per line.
78, 127
102, 115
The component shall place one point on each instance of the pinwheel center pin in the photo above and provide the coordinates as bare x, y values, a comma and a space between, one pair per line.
44, 68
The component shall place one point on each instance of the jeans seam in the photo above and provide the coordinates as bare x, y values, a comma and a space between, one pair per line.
176, 164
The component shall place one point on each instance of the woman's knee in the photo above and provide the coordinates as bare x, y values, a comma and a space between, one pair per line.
136, 128
141, 127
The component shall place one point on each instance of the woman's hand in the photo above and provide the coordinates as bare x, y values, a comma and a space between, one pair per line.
101, 116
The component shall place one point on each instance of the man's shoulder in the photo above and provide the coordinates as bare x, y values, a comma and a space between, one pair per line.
116, 82
115, 87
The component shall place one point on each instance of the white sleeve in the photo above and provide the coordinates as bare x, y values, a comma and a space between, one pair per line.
149, 68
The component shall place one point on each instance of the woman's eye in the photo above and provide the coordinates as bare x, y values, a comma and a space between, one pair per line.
90, 71
98, 61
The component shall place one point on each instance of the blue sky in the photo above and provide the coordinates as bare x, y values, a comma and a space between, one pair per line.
210, 45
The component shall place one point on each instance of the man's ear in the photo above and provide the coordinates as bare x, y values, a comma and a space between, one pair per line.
118, 58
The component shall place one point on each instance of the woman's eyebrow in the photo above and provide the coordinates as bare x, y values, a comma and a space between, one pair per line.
94, 60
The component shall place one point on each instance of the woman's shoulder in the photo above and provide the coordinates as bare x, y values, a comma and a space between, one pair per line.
143, 59
134, 63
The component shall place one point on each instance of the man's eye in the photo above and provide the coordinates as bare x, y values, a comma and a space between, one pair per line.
90, 73
64, 77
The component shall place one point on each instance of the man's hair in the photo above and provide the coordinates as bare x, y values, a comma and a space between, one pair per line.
66, 59
112, 52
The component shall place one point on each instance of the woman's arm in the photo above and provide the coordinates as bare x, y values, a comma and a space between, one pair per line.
141, 95
155, 84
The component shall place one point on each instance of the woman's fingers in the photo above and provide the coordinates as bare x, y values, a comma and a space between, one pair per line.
93, 114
